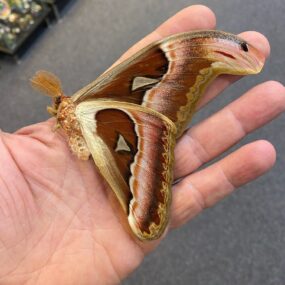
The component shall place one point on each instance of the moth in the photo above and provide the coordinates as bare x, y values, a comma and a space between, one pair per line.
131, 116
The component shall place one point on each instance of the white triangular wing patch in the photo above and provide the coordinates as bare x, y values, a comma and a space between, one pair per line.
122, 144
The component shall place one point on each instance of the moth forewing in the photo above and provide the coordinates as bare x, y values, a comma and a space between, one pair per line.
170, 75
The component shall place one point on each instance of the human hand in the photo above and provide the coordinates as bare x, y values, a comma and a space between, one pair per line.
56, 223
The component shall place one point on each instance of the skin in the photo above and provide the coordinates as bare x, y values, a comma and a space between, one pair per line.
56, 223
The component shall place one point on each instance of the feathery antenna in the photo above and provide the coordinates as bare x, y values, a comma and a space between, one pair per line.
47, 83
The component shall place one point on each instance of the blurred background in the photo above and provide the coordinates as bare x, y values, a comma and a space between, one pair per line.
239, 241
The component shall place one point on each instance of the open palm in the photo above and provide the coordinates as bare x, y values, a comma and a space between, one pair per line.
57, 225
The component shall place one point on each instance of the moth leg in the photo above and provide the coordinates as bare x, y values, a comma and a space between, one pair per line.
56, 127
52, 111
78, 147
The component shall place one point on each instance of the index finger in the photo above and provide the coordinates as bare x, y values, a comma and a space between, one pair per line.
196, 17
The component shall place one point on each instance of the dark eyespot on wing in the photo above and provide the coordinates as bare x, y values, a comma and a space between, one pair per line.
244, 46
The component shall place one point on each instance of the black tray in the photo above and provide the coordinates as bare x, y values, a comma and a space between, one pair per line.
25, 35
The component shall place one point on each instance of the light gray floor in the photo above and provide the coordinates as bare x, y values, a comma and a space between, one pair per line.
241, 240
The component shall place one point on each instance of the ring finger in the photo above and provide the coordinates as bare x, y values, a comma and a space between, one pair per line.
214, 135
